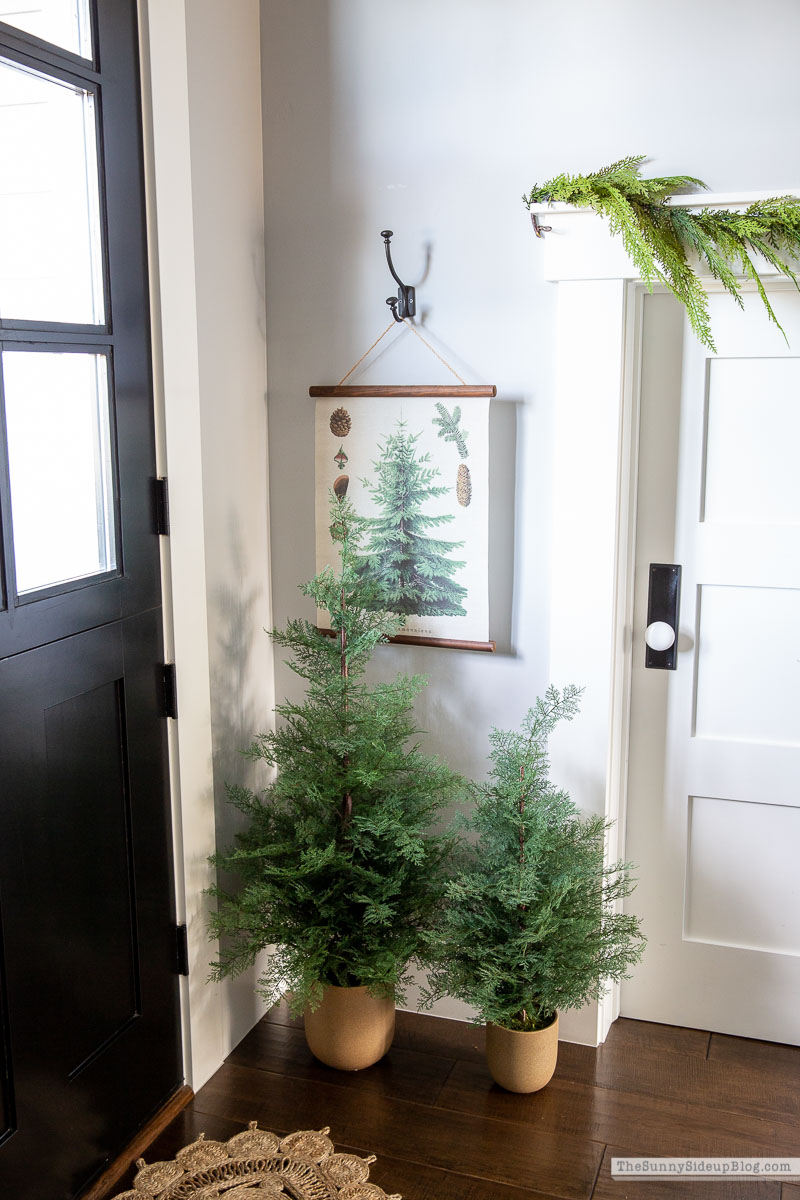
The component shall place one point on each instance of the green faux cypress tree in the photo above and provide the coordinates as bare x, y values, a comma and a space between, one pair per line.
528, 927
412, 570
336, 865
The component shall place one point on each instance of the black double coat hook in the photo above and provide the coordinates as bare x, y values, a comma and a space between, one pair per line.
405, 304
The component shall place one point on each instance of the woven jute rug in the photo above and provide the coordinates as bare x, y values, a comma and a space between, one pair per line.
255, 1164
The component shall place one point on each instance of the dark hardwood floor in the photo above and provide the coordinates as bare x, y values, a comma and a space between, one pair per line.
443, 1131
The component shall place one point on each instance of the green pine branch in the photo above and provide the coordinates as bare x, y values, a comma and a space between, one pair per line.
659, 237
450, 429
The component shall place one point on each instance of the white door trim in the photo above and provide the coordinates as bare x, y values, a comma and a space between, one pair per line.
598, 354
207, 306
176, 379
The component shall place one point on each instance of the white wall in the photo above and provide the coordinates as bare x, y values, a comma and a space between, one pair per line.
201, 75
224, 93
432, 119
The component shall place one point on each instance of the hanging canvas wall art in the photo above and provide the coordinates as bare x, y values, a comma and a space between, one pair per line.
415, 463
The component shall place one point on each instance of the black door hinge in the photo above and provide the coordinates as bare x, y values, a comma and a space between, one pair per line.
170, 683
161, 506
181, 950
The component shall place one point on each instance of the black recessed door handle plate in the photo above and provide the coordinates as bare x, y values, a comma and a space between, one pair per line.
664, 605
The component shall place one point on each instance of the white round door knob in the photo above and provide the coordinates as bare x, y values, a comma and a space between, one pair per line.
659, 635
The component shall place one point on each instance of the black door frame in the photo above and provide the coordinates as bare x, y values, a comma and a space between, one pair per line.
127, 340
133, 594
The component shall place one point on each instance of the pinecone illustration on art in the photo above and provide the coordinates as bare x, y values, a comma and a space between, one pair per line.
463, 485
341, 422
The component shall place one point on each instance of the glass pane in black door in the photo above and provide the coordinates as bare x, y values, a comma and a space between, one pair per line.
60, 466
64, 23
50, 229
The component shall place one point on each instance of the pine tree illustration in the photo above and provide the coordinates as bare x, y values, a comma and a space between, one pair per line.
414, 571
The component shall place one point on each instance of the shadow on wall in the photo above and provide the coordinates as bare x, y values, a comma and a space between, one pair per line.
258, 261
235, 716
502, 520
449, 708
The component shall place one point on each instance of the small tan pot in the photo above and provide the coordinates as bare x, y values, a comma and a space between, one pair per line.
522, 1062
351, 1029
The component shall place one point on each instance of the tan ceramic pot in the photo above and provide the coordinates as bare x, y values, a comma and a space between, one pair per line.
351, 1029
522, 1062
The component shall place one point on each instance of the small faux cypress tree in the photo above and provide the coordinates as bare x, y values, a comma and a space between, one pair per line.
337, 866
413, 571
528, 926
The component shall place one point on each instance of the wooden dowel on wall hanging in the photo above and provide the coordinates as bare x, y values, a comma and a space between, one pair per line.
413, 639
419, 389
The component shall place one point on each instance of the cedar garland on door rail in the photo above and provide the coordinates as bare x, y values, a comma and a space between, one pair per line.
659, 237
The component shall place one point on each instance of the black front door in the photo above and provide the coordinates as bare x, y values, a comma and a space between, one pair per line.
89, 1022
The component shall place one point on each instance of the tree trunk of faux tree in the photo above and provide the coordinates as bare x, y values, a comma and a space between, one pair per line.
347, 803
522, 1061
522, 907
350, 1029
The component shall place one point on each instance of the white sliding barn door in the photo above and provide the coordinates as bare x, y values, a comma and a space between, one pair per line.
713, 818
